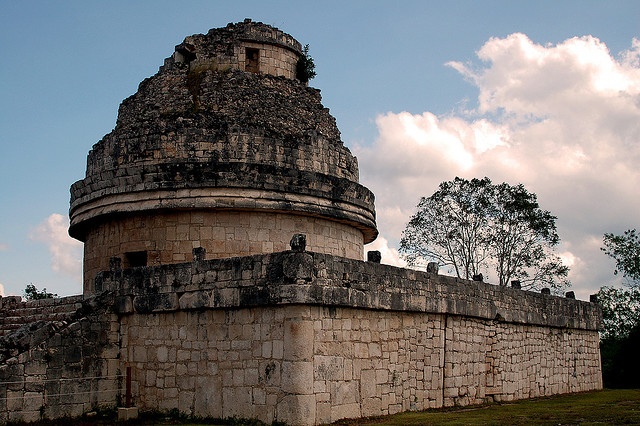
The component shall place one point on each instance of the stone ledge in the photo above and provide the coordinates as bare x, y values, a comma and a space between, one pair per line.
320, 279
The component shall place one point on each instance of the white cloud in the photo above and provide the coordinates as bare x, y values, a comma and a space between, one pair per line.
66, 253
562, 119
2, 293
390, 255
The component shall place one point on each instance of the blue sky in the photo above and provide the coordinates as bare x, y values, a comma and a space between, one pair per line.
67, 65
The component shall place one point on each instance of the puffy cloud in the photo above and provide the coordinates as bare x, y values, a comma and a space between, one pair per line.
66, 253
390, 255
562, 119
2, 293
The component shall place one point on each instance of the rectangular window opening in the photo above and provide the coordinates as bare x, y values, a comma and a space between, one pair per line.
135, 258
252, 60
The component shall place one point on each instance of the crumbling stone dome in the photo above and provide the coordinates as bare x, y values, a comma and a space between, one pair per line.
223, 149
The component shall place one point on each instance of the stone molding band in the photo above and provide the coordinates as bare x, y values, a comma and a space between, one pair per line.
305, 278
223, 199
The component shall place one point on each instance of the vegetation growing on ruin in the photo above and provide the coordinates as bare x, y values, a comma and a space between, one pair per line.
305, 68
32, 293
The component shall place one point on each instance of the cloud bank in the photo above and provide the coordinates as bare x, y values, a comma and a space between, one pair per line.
562, 119
66, 253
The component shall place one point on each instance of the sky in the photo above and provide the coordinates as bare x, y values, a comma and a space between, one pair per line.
543, 93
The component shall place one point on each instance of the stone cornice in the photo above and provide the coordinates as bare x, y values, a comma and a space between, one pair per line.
319, 279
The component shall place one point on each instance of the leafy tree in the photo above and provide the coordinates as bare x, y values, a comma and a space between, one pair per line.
305, 67
32, 293
470, 226
620, 336
449, 227
620, 311
625, 250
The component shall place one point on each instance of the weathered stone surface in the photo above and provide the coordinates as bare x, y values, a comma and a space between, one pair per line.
315, 278
186, 211
206, 136
59, 359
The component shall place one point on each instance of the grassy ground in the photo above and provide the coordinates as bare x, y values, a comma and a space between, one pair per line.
607, 407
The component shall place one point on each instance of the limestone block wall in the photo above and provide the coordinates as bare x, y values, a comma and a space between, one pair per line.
225, 48
310, 338
61, 362
315, 365
170, 237
215, 363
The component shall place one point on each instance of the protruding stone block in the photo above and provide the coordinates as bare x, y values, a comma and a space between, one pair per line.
199, 254
516, 284
125, 414
374, 256
570, 295
298, 266
545, 290
298, 242
123, 305
115, 264
433, 267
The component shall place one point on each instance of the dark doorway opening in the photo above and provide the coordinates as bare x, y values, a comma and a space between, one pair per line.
252, 60
135, 258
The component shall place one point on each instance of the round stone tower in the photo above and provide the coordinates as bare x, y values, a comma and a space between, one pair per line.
223, 149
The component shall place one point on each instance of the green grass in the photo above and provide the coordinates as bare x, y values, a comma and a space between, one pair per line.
607, 407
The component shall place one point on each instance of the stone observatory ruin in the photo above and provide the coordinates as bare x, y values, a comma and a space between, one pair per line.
224, 230
225, 150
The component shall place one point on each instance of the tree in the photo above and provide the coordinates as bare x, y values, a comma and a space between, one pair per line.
620, 311
32, 293
470, 226
449, 228
305, 67
625, 250
620, 336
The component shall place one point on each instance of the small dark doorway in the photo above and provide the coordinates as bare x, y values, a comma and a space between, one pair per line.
252, 60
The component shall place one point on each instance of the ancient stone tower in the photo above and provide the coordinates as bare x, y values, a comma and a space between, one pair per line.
225, 150
193, 301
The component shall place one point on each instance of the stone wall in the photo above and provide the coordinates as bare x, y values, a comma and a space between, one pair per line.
294, 336
313, 365
61, 362
169, 237
225, 48
309, 338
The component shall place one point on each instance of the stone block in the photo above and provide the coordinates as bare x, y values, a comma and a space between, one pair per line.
297, 410
237, 402
126, 414
298, 339
345, 411
297, 377
368, 383
329, 367
148, 303
371, 407
195, 300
